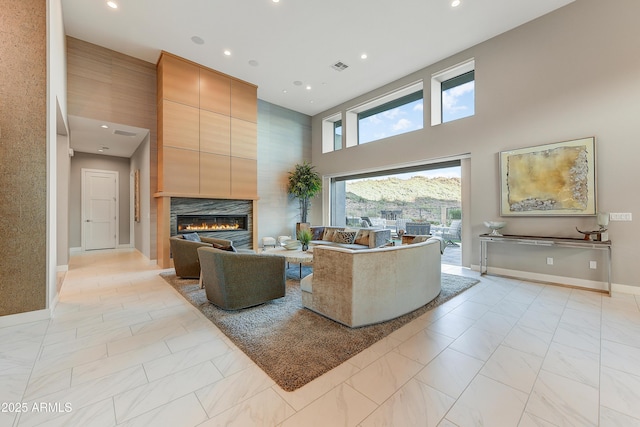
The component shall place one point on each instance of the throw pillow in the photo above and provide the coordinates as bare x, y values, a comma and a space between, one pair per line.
362, 238
344, 237
193, 237
229, 248
329, 233
318, 232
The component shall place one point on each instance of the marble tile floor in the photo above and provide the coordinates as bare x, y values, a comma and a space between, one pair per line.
123, 348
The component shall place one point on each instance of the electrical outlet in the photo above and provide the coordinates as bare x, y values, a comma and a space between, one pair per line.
549, 261
624, 216
593, 265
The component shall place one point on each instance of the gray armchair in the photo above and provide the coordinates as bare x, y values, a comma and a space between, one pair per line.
185, 254
238, 280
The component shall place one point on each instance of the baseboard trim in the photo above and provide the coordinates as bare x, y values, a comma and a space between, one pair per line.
625, 289
548, 278
125, 246
28, 317
62, 268
75, 250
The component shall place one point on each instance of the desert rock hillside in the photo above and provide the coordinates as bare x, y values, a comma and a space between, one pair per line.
418, 197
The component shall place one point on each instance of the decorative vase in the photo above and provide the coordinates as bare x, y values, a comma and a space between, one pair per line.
305, 246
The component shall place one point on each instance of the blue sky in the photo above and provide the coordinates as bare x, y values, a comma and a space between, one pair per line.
392, 122
457, 102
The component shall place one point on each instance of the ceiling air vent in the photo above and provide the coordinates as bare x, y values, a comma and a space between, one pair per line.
124, 133
339, 66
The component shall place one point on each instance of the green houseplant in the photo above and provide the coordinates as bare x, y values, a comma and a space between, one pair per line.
305, 236
304, 183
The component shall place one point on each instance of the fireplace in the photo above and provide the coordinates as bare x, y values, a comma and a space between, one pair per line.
221, 218
210, 223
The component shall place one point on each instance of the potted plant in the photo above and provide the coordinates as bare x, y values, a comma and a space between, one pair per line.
304, 183
305, 236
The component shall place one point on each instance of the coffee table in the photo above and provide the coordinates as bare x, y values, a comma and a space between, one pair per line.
296, 256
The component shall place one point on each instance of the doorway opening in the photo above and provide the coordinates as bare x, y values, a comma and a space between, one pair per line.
424, 199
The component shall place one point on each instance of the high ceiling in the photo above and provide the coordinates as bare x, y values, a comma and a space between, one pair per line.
286, 46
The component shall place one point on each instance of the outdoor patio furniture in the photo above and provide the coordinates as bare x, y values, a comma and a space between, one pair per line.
453, 232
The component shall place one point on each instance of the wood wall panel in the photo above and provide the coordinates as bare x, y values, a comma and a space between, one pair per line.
180, 126
215, 133
215, 92
215, 175
106, 85
243, 139
244, 181
180, 170
244, 101
89, 98
226, 126
163, 232
180, 81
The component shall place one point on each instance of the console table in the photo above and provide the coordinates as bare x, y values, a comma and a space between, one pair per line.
558, 242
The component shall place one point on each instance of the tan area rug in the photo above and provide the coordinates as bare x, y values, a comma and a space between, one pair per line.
294, 345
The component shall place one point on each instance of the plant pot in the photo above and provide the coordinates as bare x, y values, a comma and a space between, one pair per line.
305, 247
302, 226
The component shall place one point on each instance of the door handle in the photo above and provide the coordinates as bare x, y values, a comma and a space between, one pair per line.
87, 220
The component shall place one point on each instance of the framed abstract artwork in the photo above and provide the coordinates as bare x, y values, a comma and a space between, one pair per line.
556, 179
136, 195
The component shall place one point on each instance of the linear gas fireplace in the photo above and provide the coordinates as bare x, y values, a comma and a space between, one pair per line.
209, 223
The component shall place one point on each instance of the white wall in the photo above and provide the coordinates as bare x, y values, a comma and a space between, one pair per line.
56, 98
570, 74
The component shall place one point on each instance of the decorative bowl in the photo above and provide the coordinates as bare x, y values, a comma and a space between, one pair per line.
495, 226
292, 245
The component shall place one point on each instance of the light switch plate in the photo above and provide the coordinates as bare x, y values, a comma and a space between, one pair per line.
624, 216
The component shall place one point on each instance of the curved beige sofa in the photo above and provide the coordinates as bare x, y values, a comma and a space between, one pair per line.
362, 287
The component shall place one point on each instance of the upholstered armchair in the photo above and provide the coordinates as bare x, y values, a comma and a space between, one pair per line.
185, 254
238, 280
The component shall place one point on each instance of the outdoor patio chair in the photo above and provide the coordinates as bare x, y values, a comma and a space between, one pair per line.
453, 232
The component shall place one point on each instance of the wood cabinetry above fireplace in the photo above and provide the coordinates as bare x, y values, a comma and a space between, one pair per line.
207, 132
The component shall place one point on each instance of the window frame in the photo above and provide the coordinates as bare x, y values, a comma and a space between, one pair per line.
442, 77
338, 124
388, 101
328, 133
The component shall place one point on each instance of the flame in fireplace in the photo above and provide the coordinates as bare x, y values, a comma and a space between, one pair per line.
210, 227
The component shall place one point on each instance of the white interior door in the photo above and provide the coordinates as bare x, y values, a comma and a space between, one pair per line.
99, 209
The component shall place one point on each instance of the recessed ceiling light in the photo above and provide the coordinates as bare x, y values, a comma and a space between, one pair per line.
276, 1
100, 150
104, 127
227, 52
112, 4
254, 63
308, 87
363, 56
455, 3
197, 40
297, 83
284, 91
